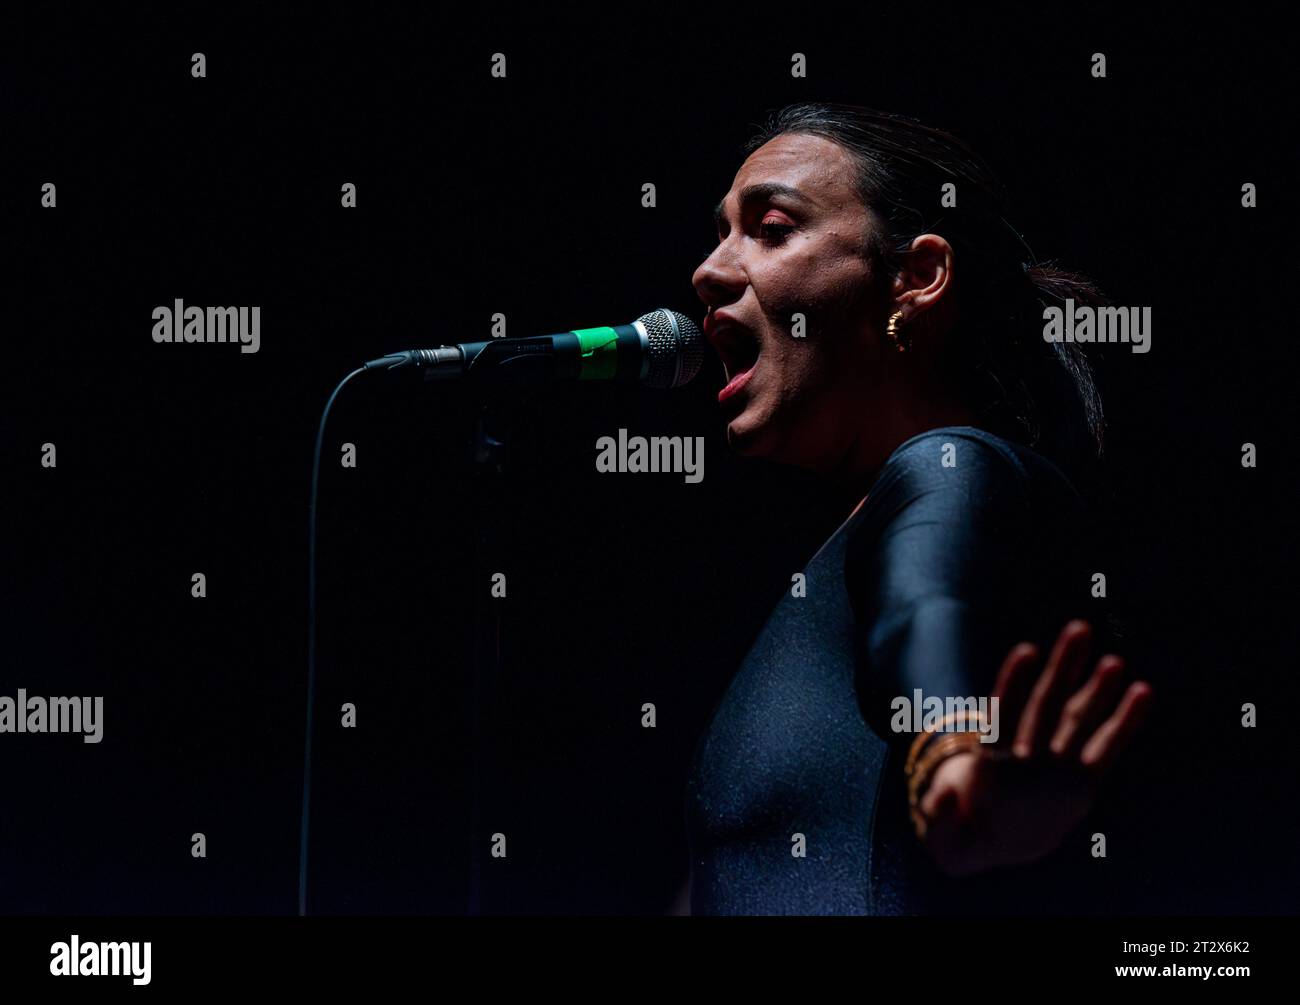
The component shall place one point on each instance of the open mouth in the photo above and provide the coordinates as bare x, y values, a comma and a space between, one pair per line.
738, 348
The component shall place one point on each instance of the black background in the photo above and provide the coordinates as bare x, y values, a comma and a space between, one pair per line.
522, 196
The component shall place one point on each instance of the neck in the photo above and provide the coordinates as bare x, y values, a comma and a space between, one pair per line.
851, 479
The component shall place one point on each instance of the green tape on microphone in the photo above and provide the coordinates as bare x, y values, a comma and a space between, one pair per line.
599, 353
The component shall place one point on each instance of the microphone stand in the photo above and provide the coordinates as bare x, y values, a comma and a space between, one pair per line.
494, 428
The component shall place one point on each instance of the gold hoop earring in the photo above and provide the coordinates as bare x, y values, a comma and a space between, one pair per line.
901, 341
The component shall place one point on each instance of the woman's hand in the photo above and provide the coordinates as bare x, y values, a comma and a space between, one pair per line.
1057, 742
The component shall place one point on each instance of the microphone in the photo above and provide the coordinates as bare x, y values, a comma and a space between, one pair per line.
661, 349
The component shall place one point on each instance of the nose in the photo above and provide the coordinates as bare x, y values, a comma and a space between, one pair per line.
719, 280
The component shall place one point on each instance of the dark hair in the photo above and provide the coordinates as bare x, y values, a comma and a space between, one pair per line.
1042, 393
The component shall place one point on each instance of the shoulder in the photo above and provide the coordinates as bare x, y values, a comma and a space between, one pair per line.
957, 505
961, 455
965, 473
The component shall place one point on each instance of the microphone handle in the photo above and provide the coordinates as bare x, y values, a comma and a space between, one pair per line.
610, 353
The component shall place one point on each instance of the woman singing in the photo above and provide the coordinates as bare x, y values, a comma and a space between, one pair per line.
879, 324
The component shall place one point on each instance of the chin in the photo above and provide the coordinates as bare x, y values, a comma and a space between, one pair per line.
763, 441
749, 438
743, 438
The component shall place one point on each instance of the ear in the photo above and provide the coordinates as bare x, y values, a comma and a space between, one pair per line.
924, 280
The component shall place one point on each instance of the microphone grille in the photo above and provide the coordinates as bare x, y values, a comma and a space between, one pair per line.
676, 348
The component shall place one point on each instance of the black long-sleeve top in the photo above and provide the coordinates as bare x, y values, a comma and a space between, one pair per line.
966, 544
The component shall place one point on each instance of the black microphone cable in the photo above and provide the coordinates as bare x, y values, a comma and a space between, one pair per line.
311, 647
673, 352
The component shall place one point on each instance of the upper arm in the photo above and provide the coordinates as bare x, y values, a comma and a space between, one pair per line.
945, 573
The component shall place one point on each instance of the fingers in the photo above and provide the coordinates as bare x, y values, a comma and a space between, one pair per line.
1088, 707
1091, 725
1103, 748
1014, 682
1064, 666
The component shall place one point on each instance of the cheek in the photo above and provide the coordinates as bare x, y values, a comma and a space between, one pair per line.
832, 295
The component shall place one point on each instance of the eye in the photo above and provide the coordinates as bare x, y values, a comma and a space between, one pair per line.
774, 232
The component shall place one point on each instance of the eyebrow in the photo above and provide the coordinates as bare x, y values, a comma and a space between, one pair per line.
761, 192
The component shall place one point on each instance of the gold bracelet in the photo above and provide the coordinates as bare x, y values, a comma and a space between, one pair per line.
925, 736
919, 781
938, 751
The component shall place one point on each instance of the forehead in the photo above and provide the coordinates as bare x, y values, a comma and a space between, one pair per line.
820, 168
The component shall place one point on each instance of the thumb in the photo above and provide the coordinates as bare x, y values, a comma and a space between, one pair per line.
941, 802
